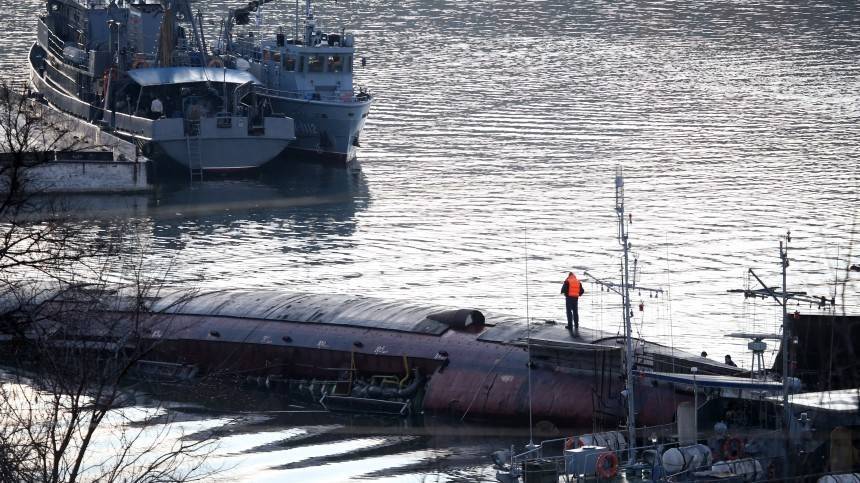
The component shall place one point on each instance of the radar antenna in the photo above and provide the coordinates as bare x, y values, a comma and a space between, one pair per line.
623, 289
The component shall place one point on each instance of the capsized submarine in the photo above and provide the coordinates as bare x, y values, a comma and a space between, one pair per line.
367, 354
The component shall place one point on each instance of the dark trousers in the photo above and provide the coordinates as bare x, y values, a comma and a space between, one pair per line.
571, 305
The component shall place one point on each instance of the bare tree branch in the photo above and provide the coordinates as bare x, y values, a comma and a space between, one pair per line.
71, 333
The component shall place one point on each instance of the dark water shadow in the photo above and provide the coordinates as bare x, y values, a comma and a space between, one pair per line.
314, 196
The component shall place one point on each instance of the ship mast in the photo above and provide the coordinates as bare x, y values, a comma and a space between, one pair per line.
628, 331
782, 299
310, 24
623, 289
786, 338
296, 34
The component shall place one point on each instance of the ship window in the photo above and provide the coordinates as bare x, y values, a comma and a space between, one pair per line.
349, 63
289, 63
335, 63
276, 56
315, 63
301, 63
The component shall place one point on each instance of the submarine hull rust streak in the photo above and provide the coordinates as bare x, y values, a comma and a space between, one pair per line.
476, 364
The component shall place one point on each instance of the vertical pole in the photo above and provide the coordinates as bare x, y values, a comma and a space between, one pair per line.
783, 255
694, 370
203, 49
225, 107
528, 335
628, 332
752, 367
308, 29
197, 30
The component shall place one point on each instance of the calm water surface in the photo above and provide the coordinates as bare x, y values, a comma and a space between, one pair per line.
497, 129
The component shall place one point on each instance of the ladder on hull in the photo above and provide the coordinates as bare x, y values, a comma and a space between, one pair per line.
194, 151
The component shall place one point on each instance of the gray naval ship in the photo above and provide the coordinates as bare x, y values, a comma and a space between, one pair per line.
141, 70
308, 77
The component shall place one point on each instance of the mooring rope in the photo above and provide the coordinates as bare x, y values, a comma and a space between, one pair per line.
481, 386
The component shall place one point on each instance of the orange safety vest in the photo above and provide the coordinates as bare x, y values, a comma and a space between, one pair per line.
573, 286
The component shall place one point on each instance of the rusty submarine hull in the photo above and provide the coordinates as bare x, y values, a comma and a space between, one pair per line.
367, 354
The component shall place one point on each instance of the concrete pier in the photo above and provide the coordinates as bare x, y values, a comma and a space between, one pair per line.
83, 172
85, 160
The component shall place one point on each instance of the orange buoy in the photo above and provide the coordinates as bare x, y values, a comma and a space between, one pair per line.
607, 465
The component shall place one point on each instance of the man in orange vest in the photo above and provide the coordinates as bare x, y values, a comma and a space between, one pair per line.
572, 289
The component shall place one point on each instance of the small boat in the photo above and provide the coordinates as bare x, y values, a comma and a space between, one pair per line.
308, 77
141, 71
729, 438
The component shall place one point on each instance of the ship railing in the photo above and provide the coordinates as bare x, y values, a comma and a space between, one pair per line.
139, 126
55, 46
180, 58
650, 431
768, 464
141, 60
346, 97
63, 101
93, 3
245, 48
185, 58
165, 127
560, 462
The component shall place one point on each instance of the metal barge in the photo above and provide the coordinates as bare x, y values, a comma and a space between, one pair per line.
363, 353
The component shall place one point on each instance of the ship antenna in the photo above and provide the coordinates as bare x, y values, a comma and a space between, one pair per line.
628, 331
528, 334
309, 28
786, 335
296, 36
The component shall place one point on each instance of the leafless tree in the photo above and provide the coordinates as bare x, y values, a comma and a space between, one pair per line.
71, 334
31, 235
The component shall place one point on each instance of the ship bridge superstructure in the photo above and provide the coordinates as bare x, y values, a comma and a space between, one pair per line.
141, 69
307, 76
312, 65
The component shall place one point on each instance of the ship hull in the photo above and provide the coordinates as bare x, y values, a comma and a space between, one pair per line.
222, 144
469, 367
225, 154
475, 381
327, 131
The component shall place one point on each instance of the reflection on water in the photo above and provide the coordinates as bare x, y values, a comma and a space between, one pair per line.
285, 209
278, 222
263, 437
293, 207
